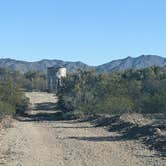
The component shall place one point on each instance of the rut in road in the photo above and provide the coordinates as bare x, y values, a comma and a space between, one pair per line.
40, 140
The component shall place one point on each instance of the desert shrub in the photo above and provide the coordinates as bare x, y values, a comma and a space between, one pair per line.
12, 99
22, 106
155, 103
87, 93
6, 109
32, 80
115, 105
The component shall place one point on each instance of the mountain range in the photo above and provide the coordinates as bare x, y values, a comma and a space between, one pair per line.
142, 61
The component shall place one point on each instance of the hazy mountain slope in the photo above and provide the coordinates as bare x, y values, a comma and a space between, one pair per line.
121, 64
134, 63
42, 65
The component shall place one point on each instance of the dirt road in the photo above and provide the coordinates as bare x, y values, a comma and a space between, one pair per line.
40, 140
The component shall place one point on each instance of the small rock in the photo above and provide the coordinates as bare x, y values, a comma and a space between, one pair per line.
157, 131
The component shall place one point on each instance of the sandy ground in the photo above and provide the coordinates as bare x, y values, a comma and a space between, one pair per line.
68, 143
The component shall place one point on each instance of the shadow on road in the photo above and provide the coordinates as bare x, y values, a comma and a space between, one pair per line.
41, 117
98, 139
80, 127
42, 112
47, 106
146, 134
129, 131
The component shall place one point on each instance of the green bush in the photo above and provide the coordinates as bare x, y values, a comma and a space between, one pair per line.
87, 93
6, 109
12, 100
155, 103
115, 105
22, 105
32, 80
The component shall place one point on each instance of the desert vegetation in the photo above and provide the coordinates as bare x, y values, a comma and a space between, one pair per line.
29, 81
12, 99
88, 93
46, 136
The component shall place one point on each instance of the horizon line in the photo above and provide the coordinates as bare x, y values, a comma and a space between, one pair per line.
22, 60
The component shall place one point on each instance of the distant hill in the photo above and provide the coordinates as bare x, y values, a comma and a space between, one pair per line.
140, 62
116, 65
42, 65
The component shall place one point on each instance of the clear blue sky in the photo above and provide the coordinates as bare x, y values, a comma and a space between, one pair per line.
92, 31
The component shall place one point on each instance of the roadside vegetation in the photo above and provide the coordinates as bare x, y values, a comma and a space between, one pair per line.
88, 93
132, 103
12, 87
30, 81
12, 100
